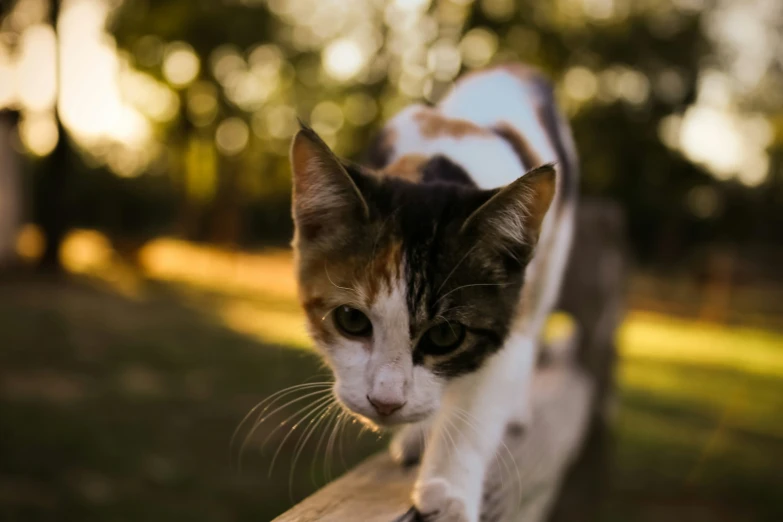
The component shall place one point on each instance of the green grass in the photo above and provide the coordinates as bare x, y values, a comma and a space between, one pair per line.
121, 407
699, 430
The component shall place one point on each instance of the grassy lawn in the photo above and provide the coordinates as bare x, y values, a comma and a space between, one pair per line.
118, 409
119, 395
699, 431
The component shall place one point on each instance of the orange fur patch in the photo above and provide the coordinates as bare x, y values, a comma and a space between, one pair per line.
355, 280
529, 157
407, 167
322, 287
383, 269
432, 125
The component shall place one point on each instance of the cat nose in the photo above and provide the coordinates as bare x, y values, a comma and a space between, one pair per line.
385, 408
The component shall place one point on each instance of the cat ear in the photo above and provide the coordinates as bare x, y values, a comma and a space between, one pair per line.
326, 201
511, 219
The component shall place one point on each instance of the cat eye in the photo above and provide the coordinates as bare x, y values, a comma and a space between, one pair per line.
442, 338
352, 322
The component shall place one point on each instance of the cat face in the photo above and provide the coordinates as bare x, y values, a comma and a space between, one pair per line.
407, 286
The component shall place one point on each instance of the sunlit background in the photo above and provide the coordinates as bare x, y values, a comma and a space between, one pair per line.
146, 293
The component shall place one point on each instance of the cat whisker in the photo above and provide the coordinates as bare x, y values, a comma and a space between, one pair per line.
328, 374
423, 433
320, 404
302, 442
445, 320
464, 417
324, 435
338, 439
343, 420
274, 398
467, 418
261, 420
453, 309
304, 409
330, 448
446, 437
361, 431
324, 431
469, 286
353, 291
455, 268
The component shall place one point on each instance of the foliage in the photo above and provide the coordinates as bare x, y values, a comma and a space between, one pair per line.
618, 136
627, 73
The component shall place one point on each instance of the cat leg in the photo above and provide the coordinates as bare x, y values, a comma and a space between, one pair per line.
468, 431
408, 443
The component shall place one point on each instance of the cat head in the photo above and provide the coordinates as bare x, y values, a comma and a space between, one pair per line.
407, 286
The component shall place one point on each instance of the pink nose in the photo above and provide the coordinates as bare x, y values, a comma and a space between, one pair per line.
385, 408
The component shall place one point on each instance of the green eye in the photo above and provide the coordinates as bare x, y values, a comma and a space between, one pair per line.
352, 322
442, 338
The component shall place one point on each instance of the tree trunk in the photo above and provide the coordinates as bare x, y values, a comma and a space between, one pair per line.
52, 201
53, 206
10, 190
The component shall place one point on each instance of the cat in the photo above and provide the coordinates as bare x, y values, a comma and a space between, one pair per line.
427, 275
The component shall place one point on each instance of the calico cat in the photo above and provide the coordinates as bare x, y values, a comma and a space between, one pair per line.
427, 275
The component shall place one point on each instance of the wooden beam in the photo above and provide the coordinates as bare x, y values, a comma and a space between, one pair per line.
524, 478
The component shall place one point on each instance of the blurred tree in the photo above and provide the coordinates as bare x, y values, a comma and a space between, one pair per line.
10, 188
637, 79
210, 184
52, 192
625, 59
52, 205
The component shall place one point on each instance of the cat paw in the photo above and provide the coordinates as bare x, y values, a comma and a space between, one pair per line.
437, 501
407, 445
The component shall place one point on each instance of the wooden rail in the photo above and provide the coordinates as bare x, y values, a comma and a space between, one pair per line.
541, 472
379, 490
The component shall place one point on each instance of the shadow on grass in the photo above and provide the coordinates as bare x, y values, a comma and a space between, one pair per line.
114, 408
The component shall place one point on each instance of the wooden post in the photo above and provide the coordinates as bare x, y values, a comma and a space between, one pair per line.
594, 294
541, 472
10, 189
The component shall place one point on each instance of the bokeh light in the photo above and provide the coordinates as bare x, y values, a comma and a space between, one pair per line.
281, 121
499, 10
149, 96
478, 46
7, 79
360, 108
38, 132
444, 60
36, 72
231, 136
181, 65
91, 103
202, 103
580, 83
148, 51
327, 118
703, 201
343, 59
